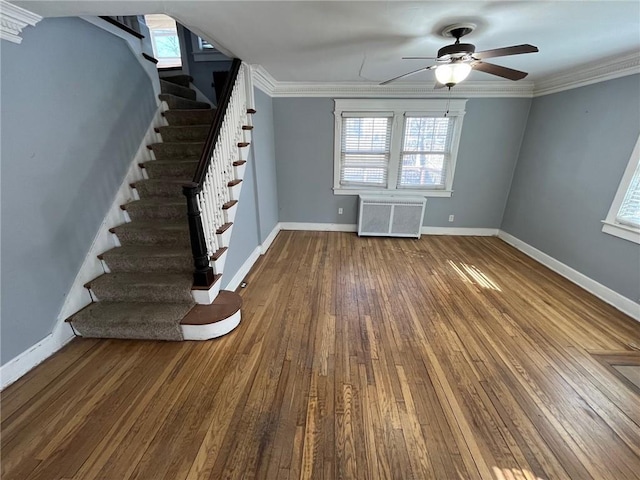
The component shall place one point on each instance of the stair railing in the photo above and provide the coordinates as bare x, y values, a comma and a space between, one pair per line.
209, 191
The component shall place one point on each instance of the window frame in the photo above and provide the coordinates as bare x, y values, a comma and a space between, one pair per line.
399, 108
610, 224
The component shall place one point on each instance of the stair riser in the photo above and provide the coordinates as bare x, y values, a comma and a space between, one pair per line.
171, 170
171, 151
152, 237
149, 264
142, 293
181, 80
164, 212
230, 214
189, 118
146, 190
174, 102
184, 134
179, 90
239, 171
127, 331
234, 191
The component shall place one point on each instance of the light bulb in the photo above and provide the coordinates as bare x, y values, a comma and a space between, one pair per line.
450, 74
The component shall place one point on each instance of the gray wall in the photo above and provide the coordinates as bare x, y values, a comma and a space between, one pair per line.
491, 135
75, 107
576, 148
258, 206
202, 72
263, 150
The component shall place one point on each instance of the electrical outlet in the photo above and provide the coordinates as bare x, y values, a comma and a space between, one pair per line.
339, 211
451, 218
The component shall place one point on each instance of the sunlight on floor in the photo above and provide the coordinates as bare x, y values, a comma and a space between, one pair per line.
513, 474
474, 275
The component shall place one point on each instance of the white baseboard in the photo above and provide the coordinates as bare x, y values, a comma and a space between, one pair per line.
242, 272
604, 293
270, 238
460, 231
20, 365
319, 227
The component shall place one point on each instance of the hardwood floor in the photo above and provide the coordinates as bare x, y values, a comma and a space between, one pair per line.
440, 358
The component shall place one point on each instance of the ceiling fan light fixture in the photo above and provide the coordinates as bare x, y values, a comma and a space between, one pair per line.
451, 74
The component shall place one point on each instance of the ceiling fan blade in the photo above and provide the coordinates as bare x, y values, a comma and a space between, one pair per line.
419, 58
508, 73
438, 85
505, 51
407, 74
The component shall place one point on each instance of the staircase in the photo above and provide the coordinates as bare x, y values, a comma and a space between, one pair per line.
147, 289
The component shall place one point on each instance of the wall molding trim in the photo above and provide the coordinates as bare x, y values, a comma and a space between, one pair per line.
607, 69
30, 358
13, 19
270, 238
460, 231
319, 227
604, 293
244, 270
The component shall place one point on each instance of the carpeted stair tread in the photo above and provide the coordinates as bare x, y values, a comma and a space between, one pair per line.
157, 208
177, 90
149, 232
149, 258
143, 287
182, 80
161, 187
188, 133
175, 102
186, 117
170, 169
177, 150
145, 321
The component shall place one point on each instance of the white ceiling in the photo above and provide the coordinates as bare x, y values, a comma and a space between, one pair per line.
357, 41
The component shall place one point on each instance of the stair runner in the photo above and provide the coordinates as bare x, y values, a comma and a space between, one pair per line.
148, 290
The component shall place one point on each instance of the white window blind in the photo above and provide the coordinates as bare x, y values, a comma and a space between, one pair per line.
426, 152
629, 212
365, 151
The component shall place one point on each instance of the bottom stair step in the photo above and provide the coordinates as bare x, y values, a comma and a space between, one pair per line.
210, 321
145, 321
143, 287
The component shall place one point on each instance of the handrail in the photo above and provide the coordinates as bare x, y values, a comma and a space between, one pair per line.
200, 209
214, 131
114, 21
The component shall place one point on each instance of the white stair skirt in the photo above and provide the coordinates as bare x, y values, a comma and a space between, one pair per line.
211, 330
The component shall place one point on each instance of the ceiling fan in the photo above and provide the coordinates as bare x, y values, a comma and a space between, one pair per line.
455, 61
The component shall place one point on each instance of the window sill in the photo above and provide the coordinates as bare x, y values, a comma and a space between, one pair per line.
622, 231
393, 193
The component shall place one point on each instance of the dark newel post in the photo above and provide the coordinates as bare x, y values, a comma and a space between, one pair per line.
203, 275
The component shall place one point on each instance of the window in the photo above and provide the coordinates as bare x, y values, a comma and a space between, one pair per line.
204, 51
623, 219
396, 146
164, 39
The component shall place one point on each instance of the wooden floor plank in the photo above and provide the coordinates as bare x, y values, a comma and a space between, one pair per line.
356, 358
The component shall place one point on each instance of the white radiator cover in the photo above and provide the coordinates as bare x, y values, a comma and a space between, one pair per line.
389, 216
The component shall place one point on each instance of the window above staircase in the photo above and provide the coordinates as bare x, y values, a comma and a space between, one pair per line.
165, 41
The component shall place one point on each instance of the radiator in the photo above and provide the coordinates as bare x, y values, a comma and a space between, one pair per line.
390, 216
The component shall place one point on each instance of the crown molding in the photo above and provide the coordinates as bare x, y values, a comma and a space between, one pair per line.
263, 79
13, 19
587, 74
265, 82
